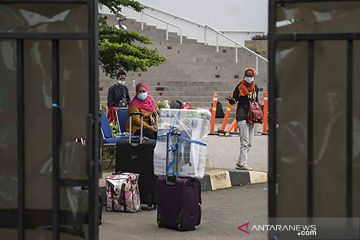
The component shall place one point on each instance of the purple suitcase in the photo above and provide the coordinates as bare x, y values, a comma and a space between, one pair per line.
178, 201
179, 205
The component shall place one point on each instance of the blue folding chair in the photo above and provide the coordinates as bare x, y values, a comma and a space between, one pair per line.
107, 137
122, 116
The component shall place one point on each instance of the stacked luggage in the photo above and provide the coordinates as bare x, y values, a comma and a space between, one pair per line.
179, 161
137, 157
164, 173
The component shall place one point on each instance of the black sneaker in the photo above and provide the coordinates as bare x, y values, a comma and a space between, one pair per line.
243, 167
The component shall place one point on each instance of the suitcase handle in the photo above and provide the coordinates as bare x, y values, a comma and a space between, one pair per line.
171, 180
137, 113
141, 125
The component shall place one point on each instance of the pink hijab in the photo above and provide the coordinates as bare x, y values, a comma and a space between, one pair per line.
148, 104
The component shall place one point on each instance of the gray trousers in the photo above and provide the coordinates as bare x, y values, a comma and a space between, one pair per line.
246, 131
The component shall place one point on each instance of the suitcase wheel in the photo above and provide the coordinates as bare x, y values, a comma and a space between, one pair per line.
179, 227
151, 206
160, 225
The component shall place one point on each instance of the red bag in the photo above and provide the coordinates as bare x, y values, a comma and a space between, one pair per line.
111, 116
255, 114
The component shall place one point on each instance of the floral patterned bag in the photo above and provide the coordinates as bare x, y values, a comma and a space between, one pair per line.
122, 193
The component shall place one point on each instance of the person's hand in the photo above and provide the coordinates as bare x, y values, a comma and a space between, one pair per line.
227, 97
153, 128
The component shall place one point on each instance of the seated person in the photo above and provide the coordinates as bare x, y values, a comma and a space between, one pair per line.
143, 102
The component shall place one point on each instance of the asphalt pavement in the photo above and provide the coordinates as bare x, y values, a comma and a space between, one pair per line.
223, 211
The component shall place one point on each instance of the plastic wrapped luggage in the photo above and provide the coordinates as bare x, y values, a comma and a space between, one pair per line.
193, 126
178, 198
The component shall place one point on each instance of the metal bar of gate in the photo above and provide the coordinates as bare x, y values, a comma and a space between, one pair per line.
316, 36
310, 149
21, 137
311, 1
56, 126
32, 35
92, 122
43, 1
272, 209
349, 130
272, 113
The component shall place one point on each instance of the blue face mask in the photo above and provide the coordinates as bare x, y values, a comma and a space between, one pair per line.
142, 96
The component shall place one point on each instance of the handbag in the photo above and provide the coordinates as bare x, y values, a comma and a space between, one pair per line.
122, 193
154, 118
123, 101
255, 114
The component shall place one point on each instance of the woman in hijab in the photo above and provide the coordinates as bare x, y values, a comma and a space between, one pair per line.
143, 102
246, 90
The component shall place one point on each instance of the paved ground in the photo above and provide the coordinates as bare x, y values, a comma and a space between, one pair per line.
223, 212
223, 152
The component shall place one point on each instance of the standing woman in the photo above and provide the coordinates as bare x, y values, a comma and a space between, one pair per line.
143, 102
246, 90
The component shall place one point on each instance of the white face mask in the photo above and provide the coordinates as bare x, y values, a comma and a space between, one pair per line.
121, 82
249, 79
142, 96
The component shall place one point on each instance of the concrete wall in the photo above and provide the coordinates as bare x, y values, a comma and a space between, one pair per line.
258, 46
241, 36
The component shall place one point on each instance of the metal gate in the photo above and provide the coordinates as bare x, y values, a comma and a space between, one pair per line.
314, 117
48, 119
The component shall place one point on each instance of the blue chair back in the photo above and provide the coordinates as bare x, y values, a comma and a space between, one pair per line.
105, 126
122, 116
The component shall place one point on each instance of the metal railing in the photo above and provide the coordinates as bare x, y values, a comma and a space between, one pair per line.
218, 33
167, 25
206, 29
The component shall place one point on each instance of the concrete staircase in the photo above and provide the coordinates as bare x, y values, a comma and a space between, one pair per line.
193, 71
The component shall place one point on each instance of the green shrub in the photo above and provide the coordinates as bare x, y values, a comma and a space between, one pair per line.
108, 153
114, 128
163, 104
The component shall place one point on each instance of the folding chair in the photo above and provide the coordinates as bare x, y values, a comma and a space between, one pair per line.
122, 116
107, 137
